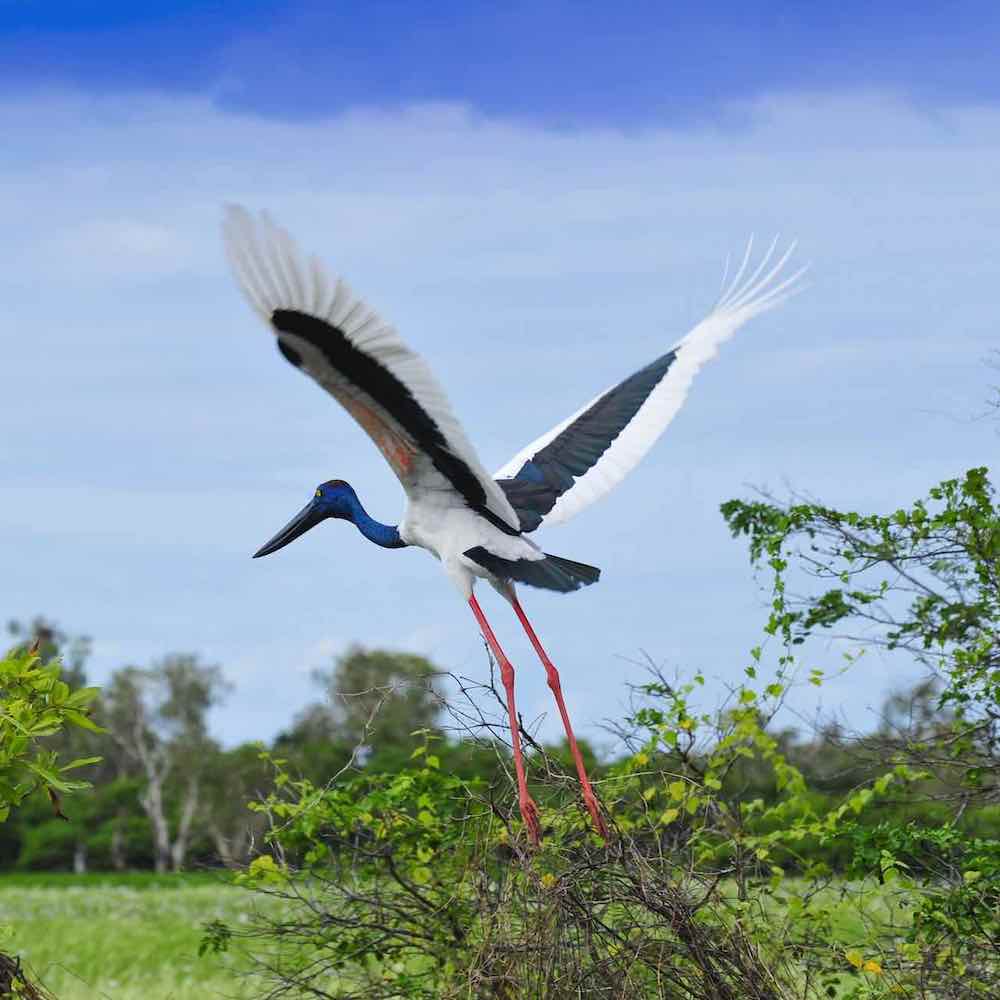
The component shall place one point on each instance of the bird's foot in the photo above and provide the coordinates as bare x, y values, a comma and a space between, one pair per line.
595, 814
529, 813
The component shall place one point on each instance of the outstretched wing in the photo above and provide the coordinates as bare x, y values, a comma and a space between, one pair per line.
583, 458
327, 332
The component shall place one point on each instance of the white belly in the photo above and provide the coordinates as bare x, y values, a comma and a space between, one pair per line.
447, 529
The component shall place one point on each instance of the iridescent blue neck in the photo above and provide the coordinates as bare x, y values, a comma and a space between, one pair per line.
386, 535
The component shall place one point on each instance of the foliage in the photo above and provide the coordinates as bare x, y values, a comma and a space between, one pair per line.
104, 827
954, 883
232, 779
375, 699
720, 880
158, 718
166, 794
924, 579
36, 704
419, 884
747, 861
51, 642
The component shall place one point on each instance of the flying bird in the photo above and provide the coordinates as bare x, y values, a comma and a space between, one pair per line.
475, 523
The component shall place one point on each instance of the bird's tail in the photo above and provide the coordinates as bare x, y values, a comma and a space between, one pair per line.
570, 574
550, 573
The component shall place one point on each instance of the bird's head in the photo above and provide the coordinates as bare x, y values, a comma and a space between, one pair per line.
331, 499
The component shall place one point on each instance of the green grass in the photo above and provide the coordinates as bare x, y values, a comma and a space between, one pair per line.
131, 937
103, 880
136, 936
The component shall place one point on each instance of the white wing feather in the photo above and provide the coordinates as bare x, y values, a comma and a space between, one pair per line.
741, 300
274, 276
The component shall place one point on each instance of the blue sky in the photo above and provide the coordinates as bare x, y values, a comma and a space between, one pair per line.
572, 62
542, 200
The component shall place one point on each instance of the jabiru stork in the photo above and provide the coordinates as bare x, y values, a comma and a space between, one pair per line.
475, 524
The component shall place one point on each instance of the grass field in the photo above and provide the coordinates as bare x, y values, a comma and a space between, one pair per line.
122, 937
136, 937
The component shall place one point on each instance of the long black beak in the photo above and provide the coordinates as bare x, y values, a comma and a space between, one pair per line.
306, 518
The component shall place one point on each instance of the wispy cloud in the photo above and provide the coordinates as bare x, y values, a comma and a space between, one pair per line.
102, 249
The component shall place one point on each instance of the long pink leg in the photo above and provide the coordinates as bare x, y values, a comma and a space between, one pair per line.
529, 811
553, 678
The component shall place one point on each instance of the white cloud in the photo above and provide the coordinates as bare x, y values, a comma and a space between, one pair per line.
113, 248
155, 440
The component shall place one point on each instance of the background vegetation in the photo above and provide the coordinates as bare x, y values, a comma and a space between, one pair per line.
375, 848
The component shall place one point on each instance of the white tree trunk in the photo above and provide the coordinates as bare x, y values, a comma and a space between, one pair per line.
152, 804
150, 737
156, 768
178, 850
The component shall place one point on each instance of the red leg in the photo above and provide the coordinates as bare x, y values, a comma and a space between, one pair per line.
529, 811
553, 678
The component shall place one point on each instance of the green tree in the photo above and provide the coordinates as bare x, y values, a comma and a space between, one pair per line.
232, 779
107, 825
923, 580
375, 699
159, 718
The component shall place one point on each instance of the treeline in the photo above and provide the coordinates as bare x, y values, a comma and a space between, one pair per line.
167, 795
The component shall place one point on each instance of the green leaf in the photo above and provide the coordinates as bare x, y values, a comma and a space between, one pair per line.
45, 773
83, 721
81, 762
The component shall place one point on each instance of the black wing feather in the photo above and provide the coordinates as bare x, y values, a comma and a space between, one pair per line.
552, 470
389, 392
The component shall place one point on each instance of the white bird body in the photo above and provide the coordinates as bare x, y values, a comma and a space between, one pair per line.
448, 529
474, 523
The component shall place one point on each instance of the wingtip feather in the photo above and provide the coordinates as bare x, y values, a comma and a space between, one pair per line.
766, 287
